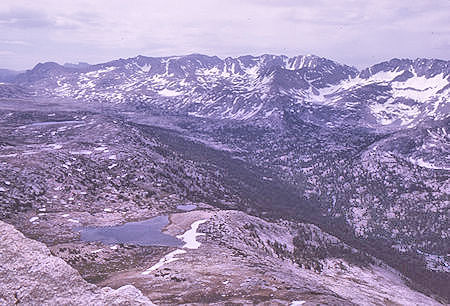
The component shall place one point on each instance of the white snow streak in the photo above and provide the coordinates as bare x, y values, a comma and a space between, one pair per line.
190, 236
190, 242
169, 93
424, 164
166, 259
297, 303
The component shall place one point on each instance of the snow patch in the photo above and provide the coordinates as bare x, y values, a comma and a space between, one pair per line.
190, 236
95, 74
55, 146
81, 152
145, 68
112, 166
390, 111
166, 259
169, 93
190, 242
424, 164
101, 149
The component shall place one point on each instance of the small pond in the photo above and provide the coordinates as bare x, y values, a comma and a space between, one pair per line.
54, 123
187, 207
143, 233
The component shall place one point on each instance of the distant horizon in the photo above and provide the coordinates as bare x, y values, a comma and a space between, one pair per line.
220, 57
357, 33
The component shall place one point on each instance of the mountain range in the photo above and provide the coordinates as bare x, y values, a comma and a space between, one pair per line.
399, 92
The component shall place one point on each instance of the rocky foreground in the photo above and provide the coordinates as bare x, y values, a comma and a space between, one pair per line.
226, 267
31, 275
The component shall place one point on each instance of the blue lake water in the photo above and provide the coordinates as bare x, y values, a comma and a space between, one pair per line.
54, 122
187, 207
143, 233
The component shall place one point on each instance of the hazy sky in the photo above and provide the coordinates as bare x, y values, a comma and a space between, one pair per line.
354, 32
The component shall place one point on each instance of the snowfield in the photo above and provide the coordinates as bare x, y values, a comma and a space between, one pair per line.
190, 236
190, 242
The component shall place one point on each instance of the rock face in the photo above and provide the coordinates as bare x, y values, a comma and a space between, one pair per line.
30, 275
